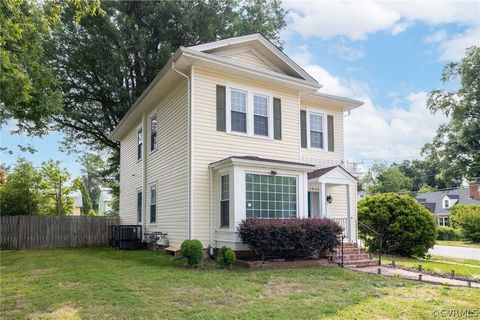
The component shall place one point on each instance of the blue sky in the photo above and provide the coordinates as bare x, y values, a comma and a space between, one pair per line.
387, 54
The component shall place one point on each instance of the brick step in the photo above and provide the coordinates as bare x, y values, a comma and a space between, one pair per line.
349, 245
352, 257
349, 250
360, 263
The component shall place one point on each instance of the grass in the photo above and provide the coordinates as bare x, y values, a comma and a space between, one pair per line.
101, 283
440, 264
464, 244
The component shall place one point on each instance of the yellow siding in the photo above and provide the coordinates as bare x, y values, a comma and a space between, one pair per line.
130, 178
338, 207
211, 145
167, 166
326, 158
251, 60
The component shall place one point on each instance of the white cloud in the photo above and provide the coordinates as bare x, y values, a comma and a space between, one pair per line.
372, 132
326, 19
453, 48
356, 19
344, 51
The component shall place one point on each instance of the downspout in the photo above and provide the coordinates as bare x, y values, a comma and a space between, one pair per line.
144, 175
189, 133
210, 218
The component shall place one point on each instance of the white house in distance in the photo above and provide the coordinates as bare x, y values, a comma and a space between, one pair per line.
105, 200
230, 130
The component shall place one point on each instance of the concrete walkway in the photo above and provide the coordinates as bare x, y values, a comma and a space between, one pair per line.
455, 252
414, 276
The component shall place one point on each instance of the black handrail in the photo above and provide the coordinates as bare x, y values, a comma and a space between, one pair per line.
380, 237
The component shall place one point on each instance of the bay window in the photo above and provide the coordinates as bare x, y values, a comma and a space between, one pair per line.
271, 196
225, 202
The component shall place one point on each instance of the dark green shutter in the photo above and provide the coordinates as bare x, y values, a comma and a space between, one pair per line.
330, 133
221, 109
303, 128
277, 119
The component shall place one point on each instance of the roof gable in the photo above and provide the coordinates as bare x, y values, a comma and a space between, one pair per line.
264, 53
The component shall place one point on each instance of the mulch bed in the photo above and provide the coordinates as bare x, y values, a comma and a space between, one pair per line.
281, 263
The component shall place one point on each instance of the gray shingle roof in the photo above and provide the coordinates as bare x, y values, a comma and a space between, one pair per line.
433, 200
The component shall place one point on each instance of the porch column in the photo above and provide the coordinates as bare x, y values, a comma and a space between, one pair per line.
322, 200
349, 215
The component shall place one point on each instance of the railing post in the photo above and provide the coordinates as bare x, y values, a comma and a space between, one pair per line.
380, 251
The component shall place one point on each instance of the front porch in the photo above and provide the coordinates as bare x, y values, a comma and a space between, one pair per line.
332, 194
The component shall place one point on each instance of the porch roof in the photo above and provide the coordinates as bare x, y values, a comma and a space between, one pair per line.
259, 160
320, 172
332, 175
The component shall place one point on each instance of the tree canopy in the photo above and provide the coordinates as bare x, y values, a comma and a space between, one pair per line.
457, 143
88, 68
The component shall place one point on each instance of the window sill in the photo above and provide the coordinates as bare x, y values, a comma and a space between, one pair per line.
152, 151
241, 134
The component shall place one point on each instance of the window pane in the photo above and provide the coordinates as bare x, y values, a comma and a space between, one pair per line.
260, 105
239, 101
153, 213
316, 139
260, 126
139, 144
153, 137
225, 187
153, 194
239, 121
316, 122
139, 206
225, 214
271, 196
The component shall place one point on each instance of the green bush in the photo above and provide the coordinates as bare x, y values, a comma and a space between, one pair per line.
408, 228
467, 218
227, 257
192, 250
447, 233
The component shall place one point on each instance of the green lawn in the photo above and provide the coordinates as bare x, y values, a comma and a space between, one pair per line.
464, 244
107, 284
440, 264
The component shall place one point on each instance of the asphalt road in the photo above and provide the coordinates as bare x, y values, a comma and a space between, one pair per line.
455, 252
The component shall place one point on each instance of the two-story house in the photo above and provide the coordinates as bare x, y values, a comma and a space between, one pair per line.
231, 130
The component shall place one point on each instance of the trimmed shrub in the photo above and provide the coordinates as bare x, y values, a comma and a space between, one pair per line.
227, 257
289, 238
467, 218
447, 233
192, 250
408, 228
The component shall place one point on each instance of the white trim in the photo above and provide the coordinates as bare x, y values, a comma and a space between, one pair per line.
262, 164
323, 114
144, 173
250, 92
272, 48
345, 103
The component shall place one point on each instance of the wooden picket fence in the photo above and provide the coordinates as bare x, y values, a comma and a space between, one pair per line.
29, 232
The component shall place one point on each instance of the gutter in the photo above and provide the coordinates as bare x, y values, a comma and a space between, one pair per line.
190, 153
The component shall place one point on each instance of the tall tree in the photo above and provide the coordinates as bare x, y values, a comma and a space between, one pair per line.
55, 182
424, 173
104, 62
79, 185
92, 169
457, 143
382, 179
20, 194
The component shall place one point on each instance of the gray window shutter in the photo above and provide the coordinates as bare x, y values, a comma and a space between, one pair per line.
303, 128
221, 108
277, 119
331, 137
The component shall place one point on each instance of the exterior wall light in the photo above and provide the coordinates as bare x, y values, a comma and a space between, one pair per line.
329, 198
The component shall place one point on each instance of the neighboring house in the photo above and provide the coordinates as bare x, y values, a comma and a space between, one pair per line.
440, 202
77, 202
230, 130
104, 201
361, 194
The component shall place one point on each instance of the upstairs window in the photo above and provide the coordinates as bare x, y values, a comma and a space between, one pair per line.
260, 111
239, 111
446, 203
153, 204
316, 131
139, 143
225, 202
153, 136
